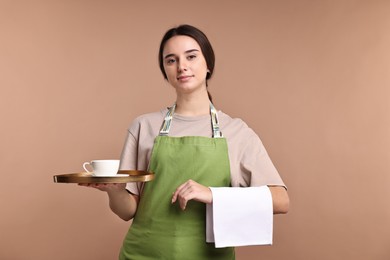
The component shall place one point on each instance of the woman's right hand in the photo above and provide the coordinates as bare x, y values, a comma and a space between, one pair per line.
122, 203
107, 187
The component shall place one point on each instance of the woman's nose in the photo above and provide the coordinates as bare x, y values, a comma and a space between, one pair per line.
182, 65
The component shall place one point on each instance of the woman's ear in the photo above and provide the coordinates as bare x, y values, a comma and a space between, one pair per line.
208, 74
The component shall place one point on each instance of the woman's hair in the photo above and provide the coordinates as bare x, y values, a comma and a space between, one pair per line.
199, 37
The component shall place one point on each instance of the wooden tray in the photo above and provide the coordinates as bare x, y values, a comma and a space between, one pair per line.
123, 177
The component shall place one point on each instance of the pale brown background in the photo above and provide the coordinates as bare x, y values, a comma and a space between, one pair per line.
312, 78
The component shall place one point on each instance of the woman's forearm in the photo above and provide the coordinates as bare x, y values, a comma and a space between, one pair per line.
280, 199
123, 204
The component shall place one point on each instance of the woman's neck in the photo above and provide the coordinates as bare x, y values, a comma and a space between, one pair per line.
192, 106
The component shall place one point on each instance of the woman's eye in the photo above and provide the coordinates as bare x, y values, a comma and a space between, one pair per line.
191, 57
170, 61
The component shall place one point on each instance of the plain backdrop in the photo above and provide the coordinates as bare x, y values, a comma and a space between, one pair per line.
312, 78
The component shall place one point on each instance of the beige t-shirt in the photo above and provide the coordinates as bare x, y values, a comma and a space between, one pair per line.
250, 165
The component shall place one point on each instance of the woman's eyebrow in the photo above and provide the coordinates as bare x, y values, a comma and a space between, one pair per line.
192, 50
188, 51
169, 55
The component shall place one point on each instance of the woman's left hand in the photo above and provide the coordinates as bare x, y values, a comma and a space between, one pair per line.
191, 190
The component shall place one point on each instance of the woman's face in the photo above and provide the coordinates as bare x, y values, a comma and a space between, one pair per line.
184, 64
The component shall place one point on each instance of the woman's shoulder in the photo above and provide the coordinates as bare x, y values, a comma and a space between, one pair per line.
152, 116
236, 128
227, 121
151, 120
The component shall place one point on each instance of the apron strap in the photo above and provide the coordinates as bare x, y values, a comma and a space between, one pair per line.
215, 122
166, 126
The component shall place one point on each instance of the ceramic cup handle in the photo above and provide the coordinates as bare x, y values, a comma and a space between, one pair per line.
85, 166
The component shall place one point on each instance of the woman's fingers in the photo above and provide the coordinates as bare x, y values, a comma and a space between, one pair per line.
176, 192
191, 190
104, 186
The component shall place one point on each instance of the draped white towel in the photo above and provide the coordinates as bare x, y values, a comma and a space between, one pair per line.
240, 217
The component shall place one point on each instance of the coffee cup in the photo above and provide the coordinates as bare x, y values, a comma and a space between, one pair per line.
102, 167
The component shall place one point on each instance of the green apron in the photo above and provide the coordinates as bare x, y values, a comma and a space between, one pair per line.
161, 230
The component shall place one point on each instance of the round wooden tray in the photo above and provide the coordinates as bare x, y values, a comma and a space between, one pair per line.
122, 177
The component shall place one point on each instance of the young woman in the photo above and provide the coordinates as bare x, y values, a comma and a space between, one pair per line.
191, 147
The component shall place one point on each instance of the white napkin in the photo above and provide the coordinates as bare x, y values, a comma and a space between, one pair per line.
240, 217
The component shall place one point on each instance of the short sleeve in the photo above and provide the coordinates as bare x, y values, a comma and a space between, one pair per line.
129, 157
256, 164
250, 165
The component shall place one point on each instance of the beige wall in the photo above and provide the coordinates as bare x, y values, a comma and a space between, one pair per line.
312, 78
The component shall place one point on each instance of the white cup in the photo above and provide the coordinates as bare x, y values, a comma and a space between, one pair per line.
102, 167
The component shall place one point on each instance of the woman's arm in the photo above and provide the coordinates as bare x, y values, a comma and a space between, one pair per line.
121, 202
192, 190
280, 199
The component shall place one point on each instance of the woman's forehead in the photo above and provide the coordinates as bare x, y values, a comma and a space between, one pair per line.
180, 44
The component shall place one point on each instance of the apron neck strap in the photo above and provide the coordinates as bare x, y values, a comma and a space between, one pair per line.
166, 126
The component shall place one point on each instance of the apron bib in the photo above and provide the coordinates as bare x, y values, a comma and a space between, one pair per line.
161, 230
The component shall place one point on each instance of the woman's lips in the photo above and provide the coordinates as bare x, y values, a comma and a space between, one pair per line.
184, 78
